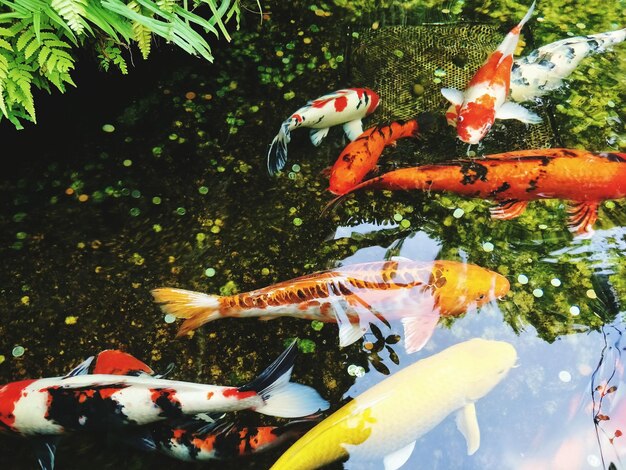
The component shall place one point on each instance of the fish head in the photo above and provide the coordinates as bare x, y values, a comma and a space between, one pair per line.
459, 286
487, 363
475, 119
374, 100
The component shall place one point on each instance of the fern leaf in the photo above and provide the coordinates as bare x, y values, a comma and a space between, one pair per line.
27, 36
31, 49
22, 78
72, 11
166, 5
141, 34
4, 70
121, 63
6, 32
6, 45
44, 53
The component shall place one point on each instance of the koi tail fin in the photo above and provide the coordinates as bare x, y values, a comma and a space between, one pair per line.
283, 398
277, 155
528, 15
197, 308
509, 44
333, 203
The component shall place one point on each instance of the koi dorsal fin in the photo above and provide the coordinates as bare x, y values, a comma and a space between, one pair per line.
116, 362
80, 369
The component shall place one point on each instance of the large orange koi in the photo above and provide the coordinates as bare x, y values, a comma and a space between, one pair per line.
352, 296
515, 178
474, 111
361, 155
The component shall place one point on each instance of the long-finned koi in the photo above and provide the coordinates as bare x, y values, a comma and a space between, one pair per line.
544, 69
583, 178
384, 422
51, 407
474, 111
347, 106
354, 295
361, 155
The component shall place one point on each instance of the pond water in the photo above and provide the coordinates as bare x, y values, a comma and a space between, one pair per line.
175, 192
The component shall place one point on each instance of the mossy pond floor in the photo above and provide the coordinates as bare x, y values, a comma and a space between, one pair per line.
106, 199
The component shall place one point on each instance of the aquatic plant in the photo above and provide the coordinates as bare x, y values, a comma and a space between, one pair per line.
39, 40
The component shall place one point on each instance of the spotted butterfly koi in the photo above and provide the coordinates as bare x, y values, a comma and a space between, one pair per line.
353, 296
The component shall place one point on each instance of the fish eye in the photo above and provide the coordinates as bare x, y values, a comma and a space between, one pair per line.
481, 296
460, 118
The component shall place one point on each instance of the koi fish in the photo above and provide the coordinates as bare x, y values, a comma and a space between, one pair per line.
353, 296
474, 111
544, 69
360, 156
385, 421
50, 407
195, 440
347, 106
583, 178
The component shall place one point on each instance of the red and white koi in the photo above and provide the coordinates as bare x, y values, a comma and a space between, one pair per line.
347, 106
474, 111
108, 400
353, 296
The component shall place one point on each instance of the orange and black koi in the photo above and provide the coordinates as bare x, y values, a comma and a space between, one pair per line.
361, 155
194, 440
583, 178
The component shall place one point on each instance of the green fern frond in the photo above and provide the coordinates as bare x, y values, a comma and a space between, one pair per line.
111, 53
4, 44
26, 36
141, 34
19, 90
72, 11
166, 5
4, 71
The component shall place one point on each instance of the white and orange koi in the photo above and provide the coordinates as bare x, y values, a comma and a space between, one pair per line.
347, 106
474, 111
126, 395
353, 296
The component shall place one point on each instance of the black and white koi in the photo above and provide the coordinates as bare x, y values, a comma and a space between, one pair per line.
544, 69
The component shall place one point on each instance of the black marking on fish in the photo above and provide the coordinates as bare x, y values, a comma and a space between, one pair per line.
613, 157
170, 406
503, 187
318, 121
532, 186
547, 64
85, 408
570, 53
569, 153
473, 172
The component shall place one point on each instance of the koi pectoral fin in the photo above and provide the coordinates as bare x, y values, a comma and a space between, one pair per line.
510, 110
353, 129
467, 423
45, 448
317, 135
453, 95
418, 328
582, 217
508, 209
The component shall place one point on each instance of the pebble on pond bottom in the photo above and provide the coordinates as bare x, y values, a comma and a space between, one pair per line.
18, 351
